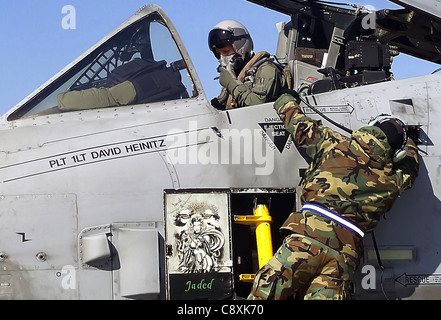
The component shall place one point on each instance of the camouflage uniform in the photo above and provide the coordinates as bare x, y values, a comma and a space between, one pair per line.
354, 177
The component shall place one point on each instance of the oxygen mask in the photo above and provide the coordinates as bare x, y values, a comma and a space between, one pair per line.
233, 63
228, 62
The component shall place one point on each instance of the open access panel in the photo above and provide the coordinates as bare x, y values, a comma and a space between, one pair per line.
206, 250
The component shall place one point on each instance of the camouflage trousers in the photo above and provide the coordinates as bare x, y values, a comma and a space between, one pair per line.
304, 268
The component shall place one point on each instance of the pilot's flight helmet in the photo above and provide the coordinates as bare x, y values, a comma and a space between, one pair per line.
231, 32
396, 133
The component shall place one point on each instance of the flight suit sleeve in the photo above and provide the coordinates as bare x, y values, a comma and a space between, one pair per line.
120, 94
306, 132
266, 86
407, 169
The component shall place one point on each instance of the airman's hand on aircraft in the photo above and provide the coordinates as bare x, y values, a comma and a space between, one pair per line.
292, 93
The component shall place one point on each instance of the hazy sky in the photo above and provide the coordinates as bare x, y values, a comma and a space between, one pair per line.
35, 46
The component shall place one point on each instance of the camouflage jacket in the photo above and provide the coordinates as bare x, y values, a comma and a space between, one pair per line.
353, 176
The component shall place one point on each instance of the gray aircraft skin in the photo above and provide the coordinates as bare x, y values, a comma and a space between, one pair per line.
140, 201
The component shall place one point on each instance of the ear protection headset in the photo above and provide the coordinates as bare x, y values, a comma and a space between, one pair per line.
401, 152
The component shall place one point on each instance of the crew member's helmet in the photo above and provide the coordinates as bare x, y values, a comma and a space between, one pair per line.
396, 133
231, 32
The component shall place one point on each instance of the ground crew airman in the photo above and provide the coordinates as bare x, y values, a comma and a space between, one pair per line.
350, 183
247, 78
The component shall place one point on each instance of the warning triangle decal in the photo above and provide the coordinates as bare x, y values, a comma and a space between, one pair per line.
277, 133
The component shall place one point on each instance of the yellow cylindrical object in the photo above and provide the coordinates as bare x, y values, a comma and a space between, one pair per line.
263, 236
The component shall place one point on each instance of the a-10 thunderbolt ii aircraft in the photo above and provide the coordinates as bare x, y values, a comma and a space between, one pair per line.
146, 200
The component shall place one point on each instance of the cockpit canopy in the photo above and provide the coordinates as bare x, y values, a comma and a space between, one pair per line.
144, 53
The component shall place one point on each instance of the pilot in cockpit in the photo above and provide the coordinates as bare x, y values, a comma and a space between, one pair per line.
247, 78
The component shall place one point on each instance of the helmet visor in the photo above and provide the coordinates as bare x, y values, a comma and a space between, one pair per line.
218, 39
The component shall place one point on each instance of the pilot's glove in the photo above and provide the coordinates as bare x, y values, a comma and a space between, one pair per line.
227, 79
215, 103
